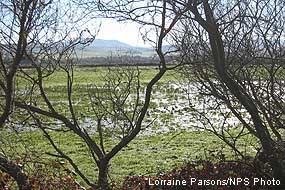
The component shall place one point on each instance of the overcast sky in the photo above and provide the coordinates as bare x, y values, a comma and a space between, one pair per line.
124, 32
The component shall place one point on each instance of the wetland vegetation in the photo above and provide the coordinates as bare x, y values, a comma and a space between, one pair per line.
208, 104
174, 138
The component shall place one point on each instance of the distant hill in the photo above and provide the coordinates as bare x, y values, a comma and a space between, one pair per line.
113, 52
104, 48
99, 43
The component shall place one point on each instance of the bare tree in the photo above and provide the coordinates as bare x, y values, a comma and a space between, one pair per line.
238, 50
16, 22
118, 106
27, 29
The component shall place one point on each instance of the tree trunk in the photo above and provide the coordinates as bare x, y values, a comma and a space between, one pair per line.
278, 172
217, 48
15, 171
103, 175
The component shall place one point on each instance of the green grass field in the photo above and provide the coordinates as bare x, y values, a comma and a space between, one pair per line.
146, 155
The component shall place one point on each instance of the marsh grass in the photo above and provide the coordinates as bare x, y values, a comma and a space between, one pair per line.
146, 155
